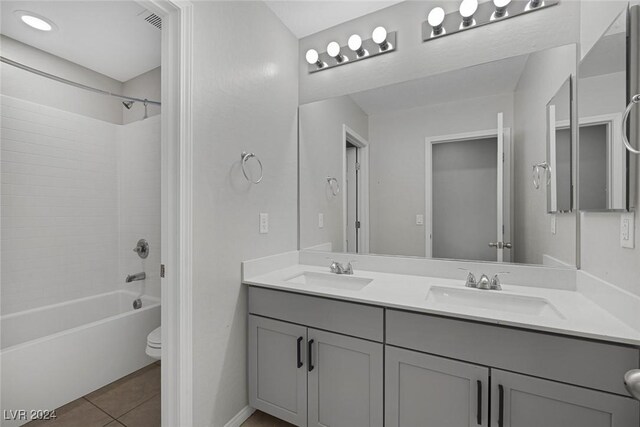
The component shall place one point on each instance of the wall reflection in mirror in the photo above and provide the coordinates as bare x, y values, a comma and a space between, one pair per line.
441, 166
602, 98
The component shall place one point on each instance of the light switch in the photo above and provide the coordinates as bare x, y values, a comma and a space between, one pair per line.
320, 220
553, 224
419, 219
627, 230
264, 223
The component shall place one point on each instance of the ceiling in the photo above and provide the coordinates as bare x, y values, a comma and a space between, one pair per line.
493, 78
306, 17
110, 37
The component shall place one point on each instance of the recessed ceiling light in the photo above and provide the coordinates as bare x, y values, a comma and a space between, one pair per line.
35, 21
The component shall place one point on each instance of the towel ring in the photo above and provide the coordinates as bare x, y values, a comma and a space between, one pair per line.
335, 190
634, 100
245, 157
536, 173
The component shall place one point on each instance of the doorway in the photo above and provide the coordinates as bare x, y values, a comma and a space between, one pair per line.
355, 197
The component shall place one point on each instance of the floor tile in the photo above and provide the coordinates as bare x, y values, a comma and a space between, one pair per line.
126, 393
260, 419
79, 413
115, 423
145, 415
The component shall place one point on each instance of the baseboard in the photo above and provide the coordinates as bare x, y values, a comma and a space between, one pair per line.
240, 417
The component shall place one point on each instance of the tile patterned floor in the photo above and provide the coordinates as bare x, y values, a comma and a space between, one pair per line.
132, 401
260, 419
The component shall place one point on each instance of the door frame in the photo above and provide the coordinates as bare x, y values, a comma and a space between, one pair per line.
362, 144
430, 141
615, 150
176, 209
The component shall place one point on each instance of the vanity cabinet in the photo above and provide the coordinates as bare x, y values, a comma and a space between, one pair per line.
424, 390
314, 378
522, 401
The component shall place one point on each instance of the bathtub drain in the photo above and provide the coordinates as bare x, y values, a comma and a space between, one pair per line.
137, 304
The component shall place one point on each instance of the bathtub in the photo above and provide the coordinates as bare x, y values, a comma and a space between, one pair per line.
52, 355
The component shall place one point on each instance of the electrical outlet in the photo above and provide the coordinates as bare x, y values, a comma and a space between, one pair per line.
320, 220
264, 223
627, 230
419, 219
553, 224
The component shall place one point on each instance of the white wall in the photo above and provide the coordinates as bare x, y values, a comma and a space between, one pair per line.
321, 150
544, 75
139, 202
24, 85
397, 165
555, 26
144, 86
245, 68
59, 205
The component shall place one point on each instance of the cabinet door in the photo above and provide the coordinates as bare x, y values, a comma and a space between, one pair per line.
345, 381
277, 369
430, 391
522, 401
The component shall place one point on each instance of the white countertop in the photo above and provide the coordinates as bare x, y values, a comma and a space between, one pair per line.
582, 317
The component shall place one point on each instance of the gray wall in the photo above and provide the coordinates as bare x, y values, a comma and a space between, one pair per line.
144, 86
465, 199
244, 98
397, 165
321, 148
593, 167
415, 59
544, 74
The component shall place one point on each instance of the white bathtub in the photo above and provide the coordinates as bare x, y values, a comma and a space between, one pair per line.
52, 355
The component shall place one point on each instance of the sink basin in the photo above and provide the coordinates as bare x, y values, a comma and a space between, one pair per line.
327, 280
493, 300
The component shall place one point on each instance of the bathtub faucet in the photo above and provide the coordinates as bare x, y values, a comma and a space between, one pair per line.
134, 277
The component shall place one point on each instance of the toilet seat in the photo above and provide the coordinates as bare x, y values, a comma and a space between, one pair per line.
154, 343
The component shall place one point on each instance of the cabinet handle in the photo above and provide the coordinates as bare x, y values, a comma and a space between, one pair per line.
500, 406
479, 413
309, 355
299, 353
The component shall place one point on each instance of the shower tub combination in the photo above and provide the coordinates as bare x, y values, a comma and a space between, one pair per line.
55, 354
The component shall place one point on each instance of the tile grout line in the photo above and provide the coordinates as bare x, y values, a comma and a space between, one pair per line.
137, 406
99, 408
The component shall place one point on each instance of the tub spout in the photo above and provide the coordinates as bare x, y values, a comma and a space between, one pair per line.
133, 277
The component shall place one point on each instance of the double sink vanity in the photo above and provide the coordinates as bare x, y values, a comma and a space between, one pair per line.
378, 347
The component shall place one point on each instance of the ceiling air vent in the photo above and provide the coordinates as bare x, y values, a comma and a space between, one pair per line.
152, 19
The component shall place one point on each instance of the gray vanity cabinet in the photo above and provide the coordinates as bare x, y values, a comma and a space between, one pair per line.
345, 382
523, 401
277, 373
430, 391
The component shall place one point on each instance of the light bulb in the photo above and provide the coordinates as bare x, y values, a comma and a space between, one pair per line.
435, 19
333, 49
501, 7
355, 44
312, 56
467, 9
379, 37
35, 21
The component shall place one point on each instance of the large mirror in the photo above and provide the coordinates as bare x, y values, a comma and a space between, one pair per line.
605, 167
438, 167
557, 170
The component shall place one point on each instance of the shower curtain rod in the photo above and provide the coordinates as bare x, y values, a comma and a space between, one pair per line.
72, 83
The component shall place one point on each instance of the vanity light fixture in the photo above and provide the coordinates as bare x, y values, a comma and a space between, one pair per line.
472, 14
337, 54
467, 9
435, 20
313, 58
355, 44
333, 49
379, 36
501, 8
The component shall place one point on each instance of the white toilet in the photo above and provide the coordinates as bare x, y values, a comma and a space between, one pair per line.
154, 343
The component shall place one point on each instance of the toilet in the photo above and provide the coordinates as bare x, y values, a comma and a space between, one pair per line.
154, 343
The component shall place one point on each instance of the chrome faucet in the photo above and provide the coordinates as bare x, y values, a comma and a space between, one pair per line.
484, 282
134, 277
338, 268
